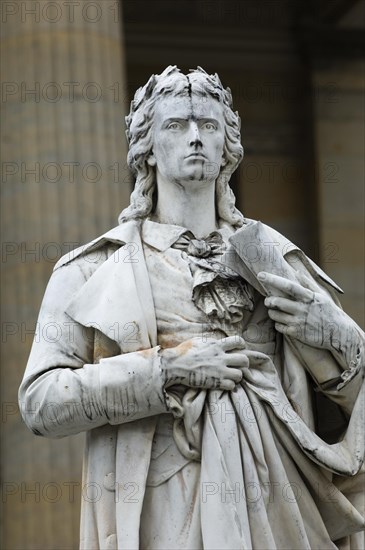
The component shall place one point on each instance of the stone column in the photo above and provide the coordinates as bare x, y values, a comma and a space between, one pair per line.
338, 89
64, 182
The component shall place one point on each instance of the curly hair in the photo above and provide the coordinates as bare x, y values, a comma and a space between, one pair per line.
139, 134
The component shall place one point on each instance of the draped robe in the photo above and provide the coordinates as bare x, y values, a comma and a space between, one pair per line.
101, 375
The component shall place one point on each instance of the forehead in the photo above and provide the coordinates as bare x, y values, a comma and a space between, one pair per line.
186, 107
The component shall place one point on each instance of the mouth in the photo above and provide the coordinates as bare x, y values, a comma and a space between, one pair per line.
196, 156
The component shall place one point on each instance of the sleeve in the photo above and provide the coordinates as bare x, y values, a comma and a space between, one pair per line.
338, 376
63, 392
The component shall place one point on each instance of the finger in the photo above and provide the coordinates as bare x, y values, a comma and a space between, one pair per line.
283, 304
256, 357
236, 360
233, 342
280, 317
226, 385
231, 373
290, 288
292, 330
202, 380
307, 282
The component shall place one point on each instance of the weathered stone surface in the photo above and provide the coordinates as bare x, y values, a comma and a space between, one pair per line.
200, 338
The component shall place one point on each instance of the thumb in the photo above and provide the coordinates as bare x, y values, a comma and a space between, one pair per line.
256, 357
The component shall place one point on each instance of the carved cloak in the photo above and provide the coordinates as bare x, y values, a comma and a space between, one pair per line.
102, 290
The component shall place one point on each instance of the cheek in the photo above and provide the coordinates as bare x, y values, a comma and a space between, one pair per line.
170, 148
219, 145
163, 149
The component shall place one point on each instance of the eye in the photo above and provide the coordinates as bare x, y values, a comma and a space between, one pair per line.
210, 126
174, 126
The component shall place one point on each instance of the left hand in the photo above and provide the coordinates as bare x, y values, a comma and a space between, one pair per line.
301, 312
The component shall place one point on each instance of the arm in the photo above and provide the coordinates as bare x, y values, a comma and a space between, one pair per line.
63, 392
311, 319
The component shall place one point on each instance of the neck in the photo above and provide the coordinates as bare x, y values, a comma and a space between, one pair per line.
193, 208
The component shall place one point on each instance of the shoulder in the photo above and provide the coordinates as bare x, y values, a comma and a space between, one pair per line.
95, 252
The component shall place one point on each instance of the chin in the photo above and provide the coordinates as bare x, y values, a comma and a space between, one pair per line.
196, 181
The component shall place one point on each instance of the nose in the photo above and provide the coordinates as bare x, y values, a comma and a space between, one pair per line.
194, 135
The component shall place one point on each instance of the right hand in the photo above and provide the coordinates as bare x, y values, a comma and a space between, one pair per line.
210, 364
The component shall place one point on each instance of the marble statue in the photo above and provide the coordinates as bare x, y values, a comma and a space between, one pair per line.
188, 343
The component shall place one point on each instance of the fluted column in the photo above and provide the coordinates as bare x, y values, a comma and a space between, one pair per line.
63, 182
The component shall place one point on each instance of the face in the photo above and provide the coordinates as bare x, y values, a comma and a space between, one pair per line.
188, 140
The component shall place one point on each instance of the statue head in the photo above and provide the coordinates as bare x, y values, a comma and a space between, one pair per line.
139, 132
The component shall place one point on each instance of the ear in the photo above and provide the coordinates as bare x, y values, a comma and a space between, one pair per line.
151, 159
224, 161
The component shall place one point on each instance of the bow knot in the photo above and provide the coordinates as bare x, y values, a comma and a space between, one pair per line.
200, 248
